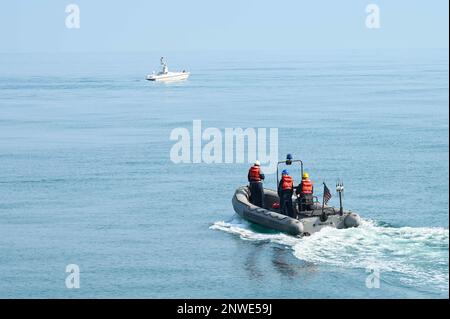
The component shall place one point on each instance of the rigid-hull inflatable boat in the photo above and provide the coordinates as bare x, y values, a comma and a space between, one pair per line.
307, 223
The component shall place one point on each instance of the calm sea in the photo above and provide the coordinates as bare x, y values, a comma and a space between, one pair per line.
86, 177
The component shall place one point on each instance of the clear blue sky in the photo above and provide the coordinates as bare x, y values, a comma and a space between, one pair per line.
146, 25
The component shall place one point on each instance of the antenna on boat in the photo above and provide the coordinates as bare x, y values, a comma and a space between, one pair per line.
340, 191
165, 69
288, 159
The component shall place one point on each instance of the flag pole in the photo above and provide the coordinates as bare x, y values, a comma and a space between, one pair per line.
323, 197
323, 217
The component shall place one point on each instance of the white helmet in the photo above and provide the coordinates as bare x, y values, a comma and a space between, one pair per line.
257, 163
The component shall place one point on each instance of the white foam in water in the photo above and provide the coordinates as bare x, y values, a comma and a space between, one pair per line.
419, 256
241, 228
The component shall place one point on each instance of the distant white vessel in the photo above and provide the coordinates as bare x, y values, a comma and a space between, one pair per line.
165, 75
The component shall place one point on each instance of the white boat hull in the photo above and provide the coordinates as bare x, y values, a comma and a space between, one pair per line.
170, 76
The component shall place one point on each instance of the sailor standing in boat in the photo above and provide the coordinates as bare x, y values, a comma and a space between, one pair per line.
285, 191
305, 192
255, 178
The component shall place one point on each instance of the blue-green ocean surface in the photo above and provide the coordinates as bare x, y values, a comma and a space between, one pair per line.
86, 177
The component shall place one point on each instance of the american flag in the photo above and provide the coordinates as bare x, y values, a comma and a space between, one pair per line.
326, 194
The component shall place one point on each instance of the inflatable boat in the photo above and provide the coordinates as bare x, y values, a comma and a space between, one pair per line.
305, 223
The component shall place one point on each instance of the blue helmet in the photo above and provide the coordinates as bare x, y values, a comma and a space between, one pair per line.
289, 156
285, 171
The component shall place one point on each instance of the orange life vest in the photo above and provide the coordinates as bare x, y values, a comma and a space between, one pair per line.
255, 174
307, 186
287, 182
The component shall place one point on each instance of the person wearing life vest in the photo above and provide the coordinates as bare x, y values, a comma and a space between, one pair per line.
305, 191
255, 179
285, 191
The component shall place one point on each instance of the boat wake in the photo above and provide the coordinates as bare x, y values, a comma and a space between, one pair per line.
417, 256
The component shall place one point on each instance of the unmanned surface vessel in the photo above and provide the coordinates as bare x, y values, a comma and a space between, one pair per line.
306, 223
166, 75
